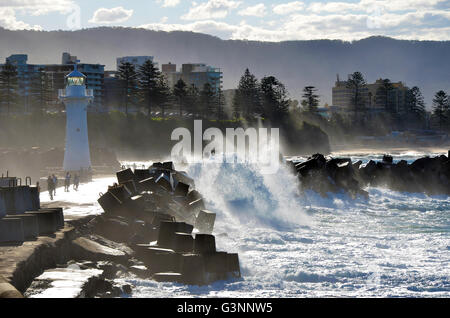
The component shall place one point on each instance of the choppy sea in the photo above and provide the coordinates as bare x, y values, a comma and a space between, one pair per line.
390, 245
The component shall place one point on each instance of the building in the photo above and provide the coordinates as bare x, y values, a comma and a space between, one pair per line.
56, 74
94, 73
342, 96
113, 91
25, 74
137, 61
197, 74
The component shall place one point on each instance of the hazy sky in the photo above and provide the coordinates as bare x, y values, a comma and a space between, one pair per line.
251, 19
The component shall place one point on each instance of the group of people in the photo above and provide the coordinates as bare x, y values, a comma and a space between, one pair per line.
52, 183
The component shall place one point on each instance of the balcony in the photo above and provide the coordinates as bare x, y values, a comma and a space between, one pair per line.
88, 92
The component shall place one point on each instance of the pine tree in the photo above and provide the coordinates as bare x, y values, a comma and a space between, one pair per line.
180, 92
275, 103
237, 110
382, 96
441, 108
192, 100
310, 99
220, 100
207, 101
163, 95
247, 101
41, 91
356, 83
9, 86
148, 78
415, 105
127, 74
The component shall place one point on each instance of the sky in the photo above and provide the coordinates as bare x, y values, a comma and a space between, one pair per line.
259, 20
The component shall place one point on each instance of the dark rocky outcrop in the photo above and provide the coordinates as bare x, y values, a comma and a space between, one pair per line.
325, 174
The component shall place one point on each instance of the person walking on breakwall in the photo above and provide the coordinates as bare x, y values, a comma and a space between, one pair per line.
50, 185
76, 182
55, 184
67, 182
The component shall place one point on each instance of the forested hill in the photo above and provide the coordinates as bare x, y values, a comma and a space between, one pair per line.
296, 63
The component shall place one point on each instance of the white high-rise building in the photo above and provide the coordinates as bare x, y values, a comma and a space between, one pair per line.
76, 98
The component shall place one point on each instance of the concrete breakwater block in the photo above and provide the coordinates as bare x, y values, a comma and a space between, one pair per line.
47, 221
168, 277
11, 230
160, 260
35, 200
120, 192
59, 215
18, 199
110, 203
204, 222
196, 206
221, 266
167, 230
193, 269
131, 187
29, 223
163, 182
148, 184
193, 196
204, 244
180, 176
125, 175
141, 174
233, 266
181, 189
183, 243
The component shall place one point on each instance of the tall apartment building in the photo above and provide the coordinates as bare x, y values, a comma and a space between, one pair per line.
56, 74
197, 74
25, 74
95, 74
342, 96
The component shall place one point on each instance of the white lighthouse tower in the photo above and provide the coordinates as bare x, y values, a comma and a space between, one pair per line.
76, 98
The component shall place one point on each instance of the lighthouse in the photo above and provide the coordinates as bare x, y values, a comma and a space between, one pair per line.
76, 98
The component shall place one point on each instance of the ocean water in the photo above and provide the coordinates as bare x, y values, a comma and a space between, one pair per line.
391, 245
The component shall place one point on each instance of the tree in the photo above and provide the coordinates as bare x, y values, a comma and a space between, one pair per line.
357, 83
9, 85
41, 91
382, 96
275, 103
207, 101
441, 108
163, 95
180, 92
415, 105
127, 74
148, 78
192, 99
310, 99
220, 101
246, 100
